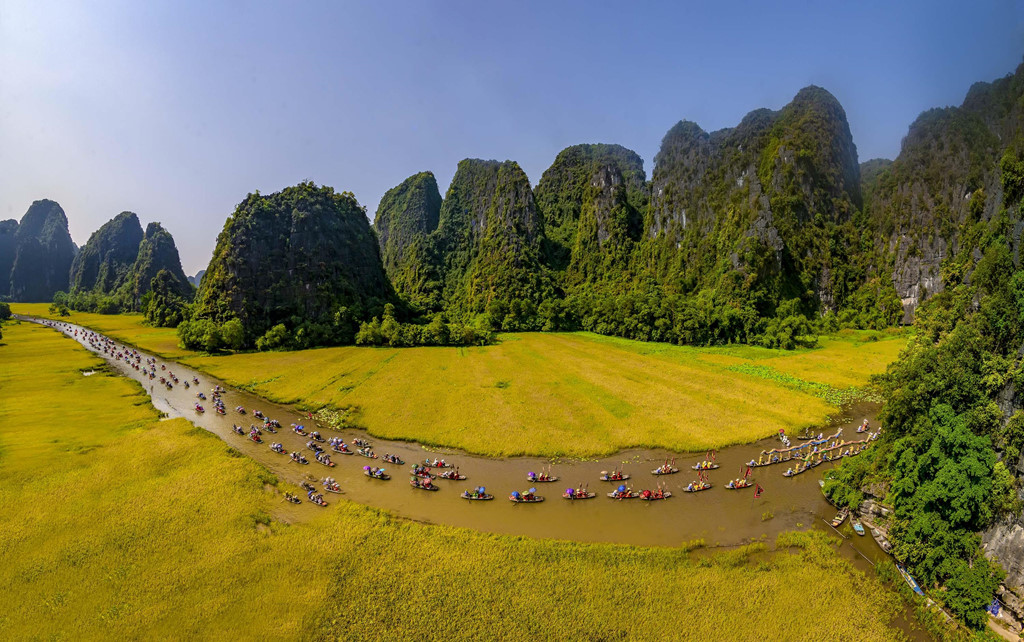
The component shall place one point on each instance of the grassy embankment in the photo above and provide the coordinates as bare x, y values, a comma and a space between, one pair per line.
118, 525
565, 394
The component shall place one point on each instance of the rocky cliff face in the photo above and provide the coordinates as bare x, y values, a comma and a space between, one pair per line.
577, 196
8, 248
304, 255
197, 279
406, 217
769, 196
104, 261
43, 253
945, 179
155, 252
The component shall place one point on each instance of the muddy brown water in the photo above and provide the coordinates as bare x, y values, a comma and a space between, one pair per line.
719, 517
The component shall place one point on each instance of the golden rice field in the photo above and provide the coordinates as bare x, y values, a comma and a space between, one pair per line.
125, 327
117, 525
563, 394
552, 394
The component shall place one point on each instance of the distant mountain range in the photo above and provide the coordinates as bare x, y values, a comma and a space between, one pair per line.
733, 229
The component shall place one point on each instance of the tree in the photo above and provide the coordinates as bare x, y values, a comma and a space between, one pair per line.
233, 334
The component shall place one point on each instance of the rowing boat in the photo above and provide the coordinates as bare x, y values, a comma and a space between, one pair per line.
662, 471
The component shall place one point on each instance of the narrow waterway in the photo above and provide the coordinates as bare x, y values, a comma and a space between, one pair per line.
719, 516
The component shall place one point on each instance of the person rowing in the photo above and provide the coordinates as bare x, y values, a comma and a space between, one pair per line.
622, 493
452, 474
479, 493
277, 448
299, 430
615, 475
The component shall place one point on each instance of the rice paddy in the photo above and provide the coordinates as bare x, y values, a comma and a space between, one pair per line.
118, 525
552, 394
574, 395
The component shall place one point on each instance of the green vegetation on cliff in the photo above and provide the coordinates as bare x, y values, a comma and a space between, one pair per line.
304, 258
953, 418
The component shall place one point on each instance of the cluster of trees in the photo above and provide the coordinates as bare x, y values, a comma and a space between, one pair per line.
390, 332
949, 445
5, 314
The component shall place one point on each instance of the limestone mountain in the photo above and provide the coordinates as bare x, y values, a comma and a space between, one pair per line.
43, 253
197, 279
104, 261
406, 216
155, 252
305, 257
759, 209
488, 243
8, 247
592, 198
947, 177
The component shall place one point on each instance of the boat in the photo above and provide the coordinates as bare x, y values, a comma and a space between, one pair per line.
858, 527
743, 483
536, 499
627, 494
840, 517
613, 477
340, 451
378, 475
651, 496
452, 475
369, 454
416, 483
477, 495
909, 578
703, 467
536, 479
697, 488
423, 472
437, 463
579, 494
316, 499
672, 470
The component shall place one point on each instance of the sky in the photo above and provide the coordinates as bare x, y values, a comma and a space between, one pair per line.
177, 110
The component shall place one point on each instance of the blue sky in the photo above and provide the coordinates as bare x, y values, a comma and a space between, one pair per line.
177, 110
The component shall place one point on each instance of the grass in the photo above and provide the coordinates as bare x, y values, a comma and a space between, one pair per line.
117, 525
554, 394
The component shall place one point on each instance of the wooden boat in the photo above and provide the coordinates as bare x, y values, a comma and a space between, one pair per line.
909, 578
318, 501
840, 517
439, 464
699, 467
626, 495
606, 477
393, 460
416, 484
746, 483
379, 475
333, 489
579, 495
858, 527
653, 497
661, 471
476, 498
880, 540
697, 489
452, 475
329, 464
541, 481
424, 473
368, 454
536, 499
340, 451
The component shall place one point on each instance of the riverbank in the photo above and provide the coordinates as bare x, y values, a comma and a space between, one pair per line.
118, 521
575, 395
